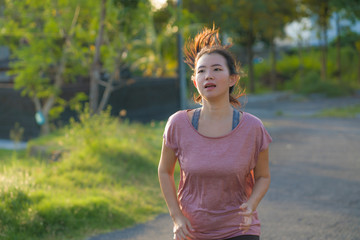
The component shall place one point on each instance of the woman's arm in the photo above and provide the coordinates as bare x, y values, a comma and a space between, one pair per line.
262, 183
262, 179
167, 184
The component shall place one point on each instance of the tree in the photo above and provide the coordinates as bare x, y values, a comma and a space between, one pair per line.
95, 70
124, 28
56, 41
248, 15
40, 35
344, 10
158, 57
357, 44
255, 20
323, 11
278, 13
245, 13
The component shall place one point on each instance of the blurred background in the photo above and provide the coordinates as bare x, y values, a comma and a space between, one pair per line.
86, 87
55, 54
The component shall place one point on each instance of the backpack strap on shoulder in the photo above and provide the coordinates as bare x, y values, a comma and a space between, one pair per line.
236, 118
195, 118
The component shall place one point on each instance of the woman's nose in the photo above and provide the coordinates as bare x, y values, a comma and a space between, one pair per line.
208, 75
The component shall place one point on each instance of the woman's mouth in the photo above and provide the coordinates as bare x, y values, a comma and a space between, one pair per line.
210, 86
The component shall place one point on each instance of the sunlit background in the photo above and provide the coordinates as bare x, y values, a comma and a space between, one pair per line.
158, 4
299, 46
87, 86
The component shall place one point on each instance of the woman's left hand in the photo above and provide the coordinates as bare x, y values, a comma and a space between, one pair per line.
246, 212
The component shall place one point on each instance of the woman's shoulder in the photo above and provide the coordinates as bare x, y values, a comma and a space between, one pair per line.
177, 116
252, 119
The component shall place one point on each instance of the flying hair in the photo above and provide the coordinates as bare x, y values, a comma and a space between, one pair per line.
209, 42
208, 38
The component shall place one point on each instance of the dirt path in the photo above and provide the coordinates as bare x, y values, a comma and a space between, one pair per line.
315, 168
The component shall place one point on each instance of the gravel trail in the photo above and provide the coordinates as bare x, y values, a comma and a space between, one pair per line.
315, 170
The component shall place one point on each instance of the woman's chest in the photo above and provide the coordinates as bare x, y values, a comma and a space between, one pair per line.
215, 129
216, 158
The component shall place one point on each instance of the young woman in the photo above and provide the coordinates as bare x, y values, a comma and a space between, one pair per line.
222, 153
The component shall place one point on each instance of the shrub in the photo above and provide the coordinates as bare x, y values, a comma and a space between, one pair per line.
306, 79
105, 179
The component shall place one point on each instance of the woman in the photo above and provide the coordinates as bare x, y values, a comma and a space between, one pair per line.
222, 153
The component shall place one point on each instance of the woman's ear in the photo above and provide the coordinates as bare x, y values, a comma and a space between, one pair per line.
193, 80
233, 79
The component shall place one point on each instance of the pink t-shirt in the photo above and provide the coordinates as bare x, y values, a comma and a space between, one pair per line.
216, 174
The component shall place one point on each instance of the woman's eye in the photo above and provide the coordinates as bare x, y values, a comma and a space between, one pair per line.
200, 71
217, 69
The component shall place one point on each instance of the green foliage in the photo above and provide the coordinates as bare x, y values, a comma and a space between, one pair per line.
348, 38
53, 43
106, 178
156, 55
306, 79
312, 84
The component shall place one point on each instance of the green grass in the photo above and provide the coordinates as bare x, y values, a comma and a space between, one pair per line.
345, 112
105, 179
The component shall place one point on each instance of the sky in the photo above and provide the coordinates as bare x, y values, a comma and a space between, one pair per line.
307, 30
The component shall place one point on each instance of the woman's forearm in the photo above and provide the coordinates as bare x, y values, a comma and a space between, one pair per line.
260, 188
168, 189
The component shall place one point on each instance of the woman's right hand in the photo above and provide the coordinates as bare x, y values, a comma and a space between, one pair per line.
182, 228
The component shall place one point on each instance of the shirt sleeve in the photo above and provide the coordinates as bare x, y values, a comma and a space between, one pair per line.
170, 134
265, 138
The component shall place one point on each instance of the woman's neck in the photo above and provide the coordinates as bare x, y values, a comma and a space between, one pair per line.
216, 110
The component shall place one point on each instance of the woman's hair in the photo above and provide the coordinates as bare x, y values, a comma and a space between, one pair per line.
208, 42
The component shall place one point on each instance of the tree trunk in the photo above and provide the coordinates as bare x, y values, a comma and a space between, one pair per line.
357, 47
108, 90
250, 54
44, 128
59, 80
96, 68
338, 48
324, 56
273, 79
94, 87
324, 26
359, 66
301, 64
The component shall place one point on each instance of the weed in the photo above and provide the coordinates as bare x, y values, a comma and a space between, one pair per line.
345, 112
105, 179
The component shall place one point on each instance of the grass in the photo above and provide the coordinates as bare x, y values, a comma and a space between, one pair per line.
344, 112
105, 179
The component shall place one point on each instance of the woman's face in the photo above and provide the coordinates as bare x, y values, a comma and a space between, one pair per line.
212, 76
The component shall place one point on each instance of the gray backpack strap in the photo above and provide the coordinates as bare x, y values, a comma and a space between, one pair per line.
195, 118
236, 118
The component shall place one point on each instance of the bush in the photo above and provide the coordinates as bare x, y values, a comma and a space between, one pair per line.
312, 84
105, 179
306, 79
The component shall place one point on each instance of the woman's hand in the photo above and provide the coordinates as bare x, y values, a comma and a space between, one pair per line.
182, 228
262, 182
246, 212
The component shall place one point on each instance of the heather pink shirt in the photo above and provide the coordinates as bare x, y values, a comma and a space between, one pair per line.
216, 174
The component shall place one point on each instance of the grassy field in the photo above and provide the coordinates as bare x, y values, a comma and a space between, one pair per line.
104, 179
345, 112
